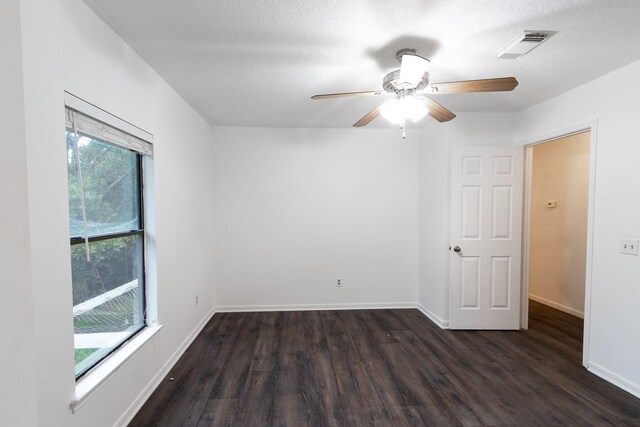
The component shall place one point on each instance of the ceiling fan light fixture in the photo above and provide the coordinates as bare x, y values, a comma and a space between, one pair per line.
402, 109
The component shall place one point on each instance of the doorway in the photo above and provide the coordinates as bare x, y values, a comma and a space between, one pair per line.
557, 235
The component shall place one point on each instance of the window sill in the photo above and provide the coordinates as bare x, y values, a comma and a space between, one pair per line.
94, 380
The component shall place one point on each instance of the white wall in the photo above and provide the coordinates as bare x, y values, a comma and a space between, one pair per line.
612, 100
468, 129
558, 242
297, 208
17, 348
433, 265
66, 47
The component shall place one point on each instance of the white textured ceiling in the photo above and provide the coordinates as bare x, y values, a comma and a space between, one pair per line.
257, 62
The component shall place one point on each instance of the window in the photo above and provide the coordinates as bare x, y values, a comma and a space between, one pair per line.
106, 224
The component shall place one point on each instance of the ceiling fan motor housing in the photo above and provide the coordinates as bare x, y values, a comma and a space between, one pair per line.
392, 83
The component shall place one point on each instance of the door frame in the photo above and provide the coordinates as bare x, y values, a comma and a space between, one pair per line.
591, 126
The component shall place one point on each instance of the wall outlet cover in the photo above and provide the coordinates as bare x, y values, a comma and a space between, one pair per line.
629, 246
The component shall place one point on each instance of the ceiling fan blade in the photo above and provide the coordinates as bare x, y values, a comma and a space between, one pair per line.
368, 117
437, 111
502, 84
345, 94
412, 68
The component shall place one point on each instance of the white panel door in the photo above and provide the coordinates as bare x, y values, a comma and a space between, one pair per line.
486, 246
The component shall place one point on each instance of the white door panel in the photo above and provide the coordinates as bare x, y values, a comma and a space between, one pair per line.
486, 209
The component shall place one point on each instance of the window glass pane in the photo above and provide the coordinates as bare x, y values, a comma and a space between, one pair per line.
108, 296
111, 185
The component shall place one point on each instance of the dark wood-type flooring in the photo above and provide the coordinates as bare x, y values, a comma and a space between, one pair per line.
387, 368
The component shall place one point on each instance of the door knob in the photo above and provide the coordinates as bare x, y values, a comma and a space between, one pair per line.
457, 249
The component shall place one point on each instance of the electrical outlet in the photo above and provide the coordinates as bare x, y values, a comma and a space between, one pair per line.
629, 246
197, 299
339, 282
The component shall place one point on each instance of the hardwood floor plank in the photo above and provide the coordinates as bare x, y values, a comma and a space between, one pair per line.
322, 369
265, 356
352, 379
234, 368
384, 368
220, 411
297, 400
257, 400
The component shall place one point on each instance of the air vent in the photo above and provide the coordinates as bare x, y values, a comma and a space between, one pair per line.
524, 44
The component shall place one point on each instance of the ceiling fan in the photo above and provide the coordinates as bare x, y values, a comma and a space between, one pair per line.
410, 84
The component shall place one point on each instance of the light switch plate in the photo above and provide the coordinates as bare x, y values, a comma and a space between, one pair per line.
629, 246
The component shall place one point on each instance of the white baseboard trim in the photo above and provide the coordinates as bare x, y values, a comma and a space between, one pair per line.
614, 379
137, 403
557, 306
443, 324
313, 307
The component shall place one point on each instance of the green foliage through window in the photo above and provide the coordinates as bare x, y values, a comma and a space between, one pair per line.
108, 289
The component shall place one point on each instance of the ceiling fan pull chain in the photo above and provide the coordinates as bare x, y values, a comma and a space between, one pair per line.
404, 129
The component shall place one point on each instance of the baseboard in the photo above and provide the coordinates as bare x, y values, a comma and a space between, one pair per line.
443, 324
557, 306
614, 379
313, 307
146, 392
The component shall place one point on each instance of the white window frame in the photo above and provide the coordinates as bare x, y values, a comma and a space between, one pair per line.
97, 376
